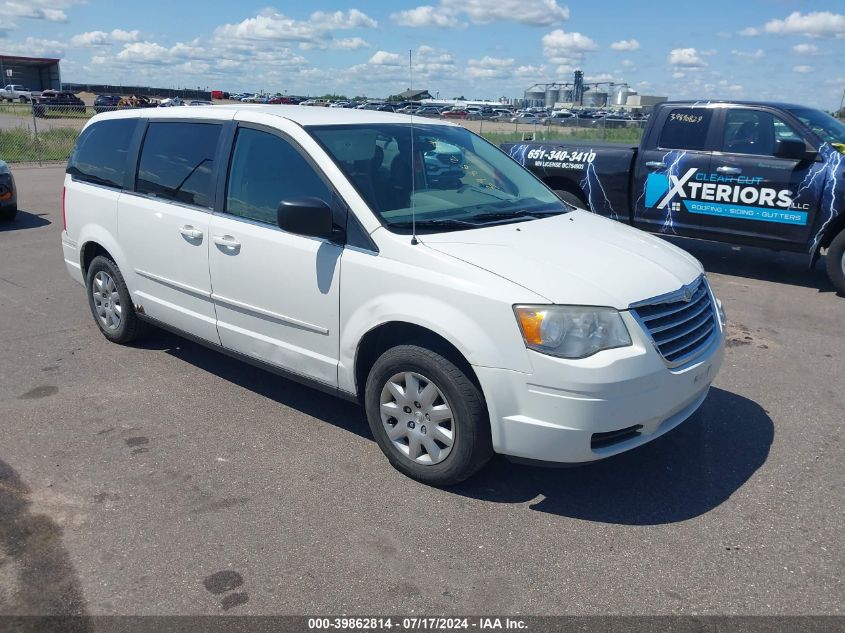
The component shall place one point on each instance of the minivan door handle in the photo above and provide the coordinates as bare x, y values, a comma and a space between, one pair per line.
226, 240
655, 164
190, 232
728, 170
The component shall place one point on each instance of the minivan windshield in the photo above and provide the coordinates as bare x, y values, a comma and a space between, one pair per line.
443, 178
823, 125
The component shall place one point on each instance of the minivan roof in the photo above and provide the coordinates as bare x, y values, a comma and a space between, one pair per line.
302, 115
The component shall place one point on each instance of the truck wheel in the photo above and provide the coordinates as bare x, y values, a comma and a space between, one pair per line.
427, 416
23, 99
836, 262
110, 303
571, 198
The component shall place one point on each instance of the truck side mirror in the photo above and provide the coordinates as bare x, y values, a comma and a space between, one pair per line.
305, 216
792, 148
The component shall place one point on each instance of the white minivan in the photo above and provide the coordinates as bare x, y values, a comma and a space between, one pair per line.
406, 264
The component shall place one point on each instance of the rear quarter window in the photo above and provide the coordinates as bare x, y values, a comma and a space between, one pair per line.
685, 128
100, 154
177, 162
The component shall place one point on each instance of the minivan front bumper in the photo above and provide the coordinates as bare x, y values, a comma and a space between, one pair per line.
588, 409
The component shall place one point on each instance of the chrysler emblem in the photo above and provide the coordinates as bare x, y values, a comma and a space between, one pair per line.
687, 295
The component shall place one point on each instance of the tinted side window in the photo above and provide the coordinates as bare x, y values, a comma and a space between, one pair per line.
754, 132
177, 162
686, 128
265, 170
101, 151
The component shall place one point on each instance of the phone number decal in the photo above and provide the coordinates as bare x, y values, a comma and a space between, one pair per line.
561, 155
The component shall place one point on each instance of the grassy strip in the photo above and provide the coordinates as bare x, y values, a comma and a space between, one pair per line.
21, 146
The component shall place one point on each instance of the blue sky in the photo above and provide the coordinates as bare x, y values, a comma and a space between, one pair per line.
756, 49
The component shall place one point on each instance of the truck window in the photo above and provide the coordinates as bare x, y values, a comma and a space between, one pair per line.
177, 161
686, 128
99, 156
754, 132
265, 170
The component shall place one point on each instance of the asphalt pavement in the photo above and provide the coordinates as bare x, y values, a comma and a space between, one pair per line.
165, 478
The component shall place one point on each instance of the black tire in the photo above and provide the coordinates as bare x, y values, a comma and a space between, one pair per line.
572, 198
130, 326
472, 446
7, 214
836, 262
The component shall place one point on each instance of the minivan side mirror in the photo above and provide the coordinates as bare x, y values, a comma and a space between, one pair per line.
305, 216
792, 148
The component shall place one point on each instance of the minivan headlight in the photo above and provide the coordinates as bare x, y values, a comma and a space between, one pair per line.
571, 331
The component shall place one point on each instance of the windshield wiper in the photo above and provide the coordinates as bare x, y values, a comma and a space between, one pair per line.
443, 223
492, 216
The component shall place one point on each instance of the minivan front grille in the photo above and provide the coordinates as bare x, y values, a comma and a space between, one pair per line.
680, 324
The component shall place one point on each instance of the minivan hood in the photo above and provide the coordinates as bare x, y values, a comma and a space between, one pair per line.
576, 258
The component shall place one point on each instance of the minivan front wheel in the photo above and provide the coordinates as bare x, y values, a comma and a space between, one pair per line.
110, 303
427, 416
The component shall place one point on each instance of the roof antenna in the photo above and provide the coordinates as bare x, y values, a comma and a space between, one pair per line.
414, 240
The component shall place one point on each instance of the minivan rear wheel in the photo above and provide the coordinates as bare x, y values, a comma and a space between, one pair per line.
110, 303
427, 416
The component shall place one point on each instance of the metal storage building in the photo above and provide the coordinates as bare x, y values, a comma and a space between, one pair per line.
35, 73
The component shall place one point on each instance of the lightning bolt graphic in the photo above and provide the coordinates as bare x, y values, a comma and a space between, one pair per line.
671, 170
587, 185
518, 153
832, 162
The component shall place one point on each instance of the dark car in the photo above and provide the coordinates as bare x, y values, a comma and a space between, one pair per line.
106, 103
53, 101
8, 194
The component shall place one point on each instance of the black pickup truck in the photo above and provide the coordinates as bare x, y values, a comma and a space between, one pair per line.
761, 174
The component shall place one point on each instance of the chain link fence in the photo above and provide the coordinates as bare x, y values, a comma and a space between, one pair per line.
29, 134
610, 129
38, 134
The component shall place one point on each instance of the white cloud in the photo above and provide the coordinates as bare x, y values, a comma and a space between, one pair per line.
802, 69
686, 58
48, 10
627, 63
101, 38
144, 52
449, 13
678, 75
758, 54
805, 49
350, 43
339, 20
626, 45
490, 68
813, 24
270, 25
383, 58
425, 16
567, 49
35, 47
119, 35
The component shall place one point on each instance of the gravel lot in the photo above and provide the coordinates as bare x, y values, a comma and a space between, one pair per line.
165, 478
